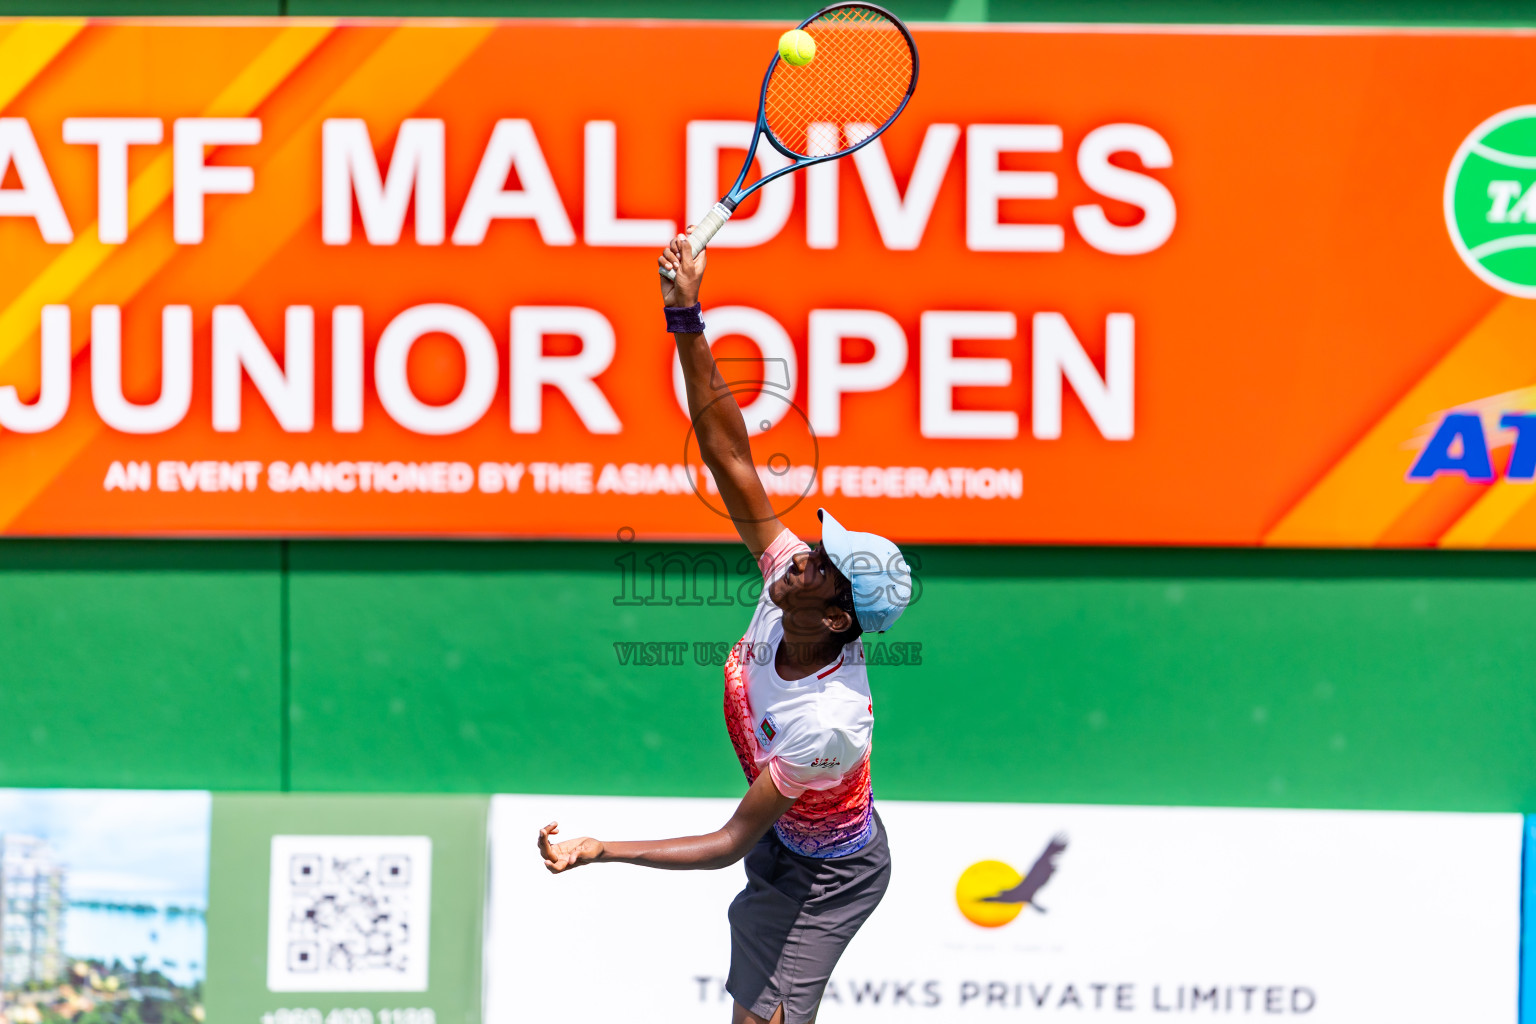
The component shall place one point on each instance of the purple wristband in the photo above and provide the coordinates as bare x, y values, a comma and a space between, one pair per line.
684, 319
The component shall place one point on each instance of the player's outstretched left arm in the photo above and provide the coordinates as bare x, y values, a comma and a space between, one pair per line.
756, 813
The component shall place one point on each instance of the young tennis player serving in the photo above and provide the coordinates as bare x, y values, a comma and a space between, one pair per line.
797, 702
798, 711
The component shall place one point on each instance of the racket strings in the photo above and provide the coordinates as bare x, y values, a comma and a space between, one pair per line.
860, 76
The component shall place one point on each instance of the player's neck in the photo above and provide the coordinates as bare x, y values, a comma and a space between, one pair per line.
801, 654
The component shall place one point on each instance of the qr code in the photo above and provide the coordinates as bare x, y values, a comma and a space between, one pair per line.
349, 913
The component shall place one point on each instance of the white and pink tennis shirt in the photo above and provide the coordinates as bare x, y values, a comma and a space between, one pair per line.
813, 735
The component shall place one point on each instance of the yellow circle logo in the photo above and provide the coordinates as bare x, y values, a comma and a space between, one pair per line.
985, 879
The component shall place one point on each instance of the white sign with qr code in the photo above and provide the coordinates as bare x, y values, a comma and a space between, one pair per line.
349, 913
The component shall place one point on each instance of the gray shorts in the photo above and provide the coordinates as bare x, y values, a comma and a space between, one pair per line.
792, 922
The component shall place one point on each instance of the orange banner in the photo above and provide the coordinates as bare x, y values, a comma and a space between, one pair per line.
1162, 285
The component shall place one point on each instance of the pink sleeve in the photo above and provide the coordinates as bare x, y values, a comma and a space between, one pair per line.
777, 556
813, 759
783, 782
794, 780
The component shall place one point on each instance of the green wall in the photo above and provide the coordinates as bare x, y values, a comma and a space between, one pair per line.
140, 665
1263, 678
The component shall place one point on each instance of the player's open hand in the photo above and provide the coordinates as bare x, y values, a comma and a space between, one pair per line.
678, 257
573, 853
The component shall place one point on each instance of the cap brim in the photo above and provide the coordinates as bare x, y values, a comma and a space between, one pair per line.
834, 536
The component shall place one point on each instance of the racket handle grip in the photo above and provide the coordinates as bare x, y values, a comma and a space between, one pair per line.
702, 232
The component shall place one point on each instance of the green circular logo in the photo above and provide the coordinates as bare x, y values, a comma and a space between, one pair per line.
1490, 201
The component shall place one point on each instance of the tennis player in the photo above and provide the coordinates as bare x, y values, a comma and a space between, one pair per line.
798, 711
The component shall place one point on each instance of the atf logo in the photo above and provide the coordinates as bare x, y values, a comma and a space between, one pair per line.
990, 893
1490, 201
1462, 441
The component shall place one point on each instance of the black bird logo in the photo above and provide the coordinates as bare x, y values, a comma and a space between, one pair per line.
1040, 873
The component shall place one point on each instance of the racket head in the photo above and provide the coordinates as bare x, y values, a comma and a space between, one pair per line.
864, 72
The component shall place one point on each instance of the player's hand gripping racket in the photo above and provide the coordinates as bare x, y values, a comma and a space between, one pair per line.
860, 79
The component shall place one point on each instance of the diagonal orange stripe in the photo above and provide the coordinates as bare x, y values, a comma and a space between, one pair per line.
400, 75
1494, 511
27, 47
1367, 490
81, 258
31, 470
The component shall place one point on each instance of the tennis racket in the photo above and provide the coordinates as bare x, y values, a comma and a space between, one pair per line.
863, 74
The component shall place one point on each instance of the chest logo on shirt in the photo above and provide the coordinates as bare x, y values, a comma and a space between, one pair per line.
768, 728
825, 762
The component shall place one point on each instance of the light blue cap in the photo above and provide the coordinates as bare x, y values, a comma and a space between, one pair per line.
882, 582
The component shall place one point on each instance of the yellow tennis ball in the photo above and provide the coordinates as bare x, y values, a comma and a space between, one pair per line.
797, 47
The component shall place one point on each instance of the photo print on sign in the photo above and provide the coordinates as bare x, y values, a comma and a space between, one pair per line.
349, 913
104, 901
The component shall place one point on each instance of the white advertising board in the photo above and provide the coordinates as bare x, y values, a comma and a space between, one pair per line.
1332, 917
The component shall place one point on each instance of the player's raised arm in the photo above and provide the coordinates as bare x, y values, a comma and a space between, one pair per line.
717, 420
